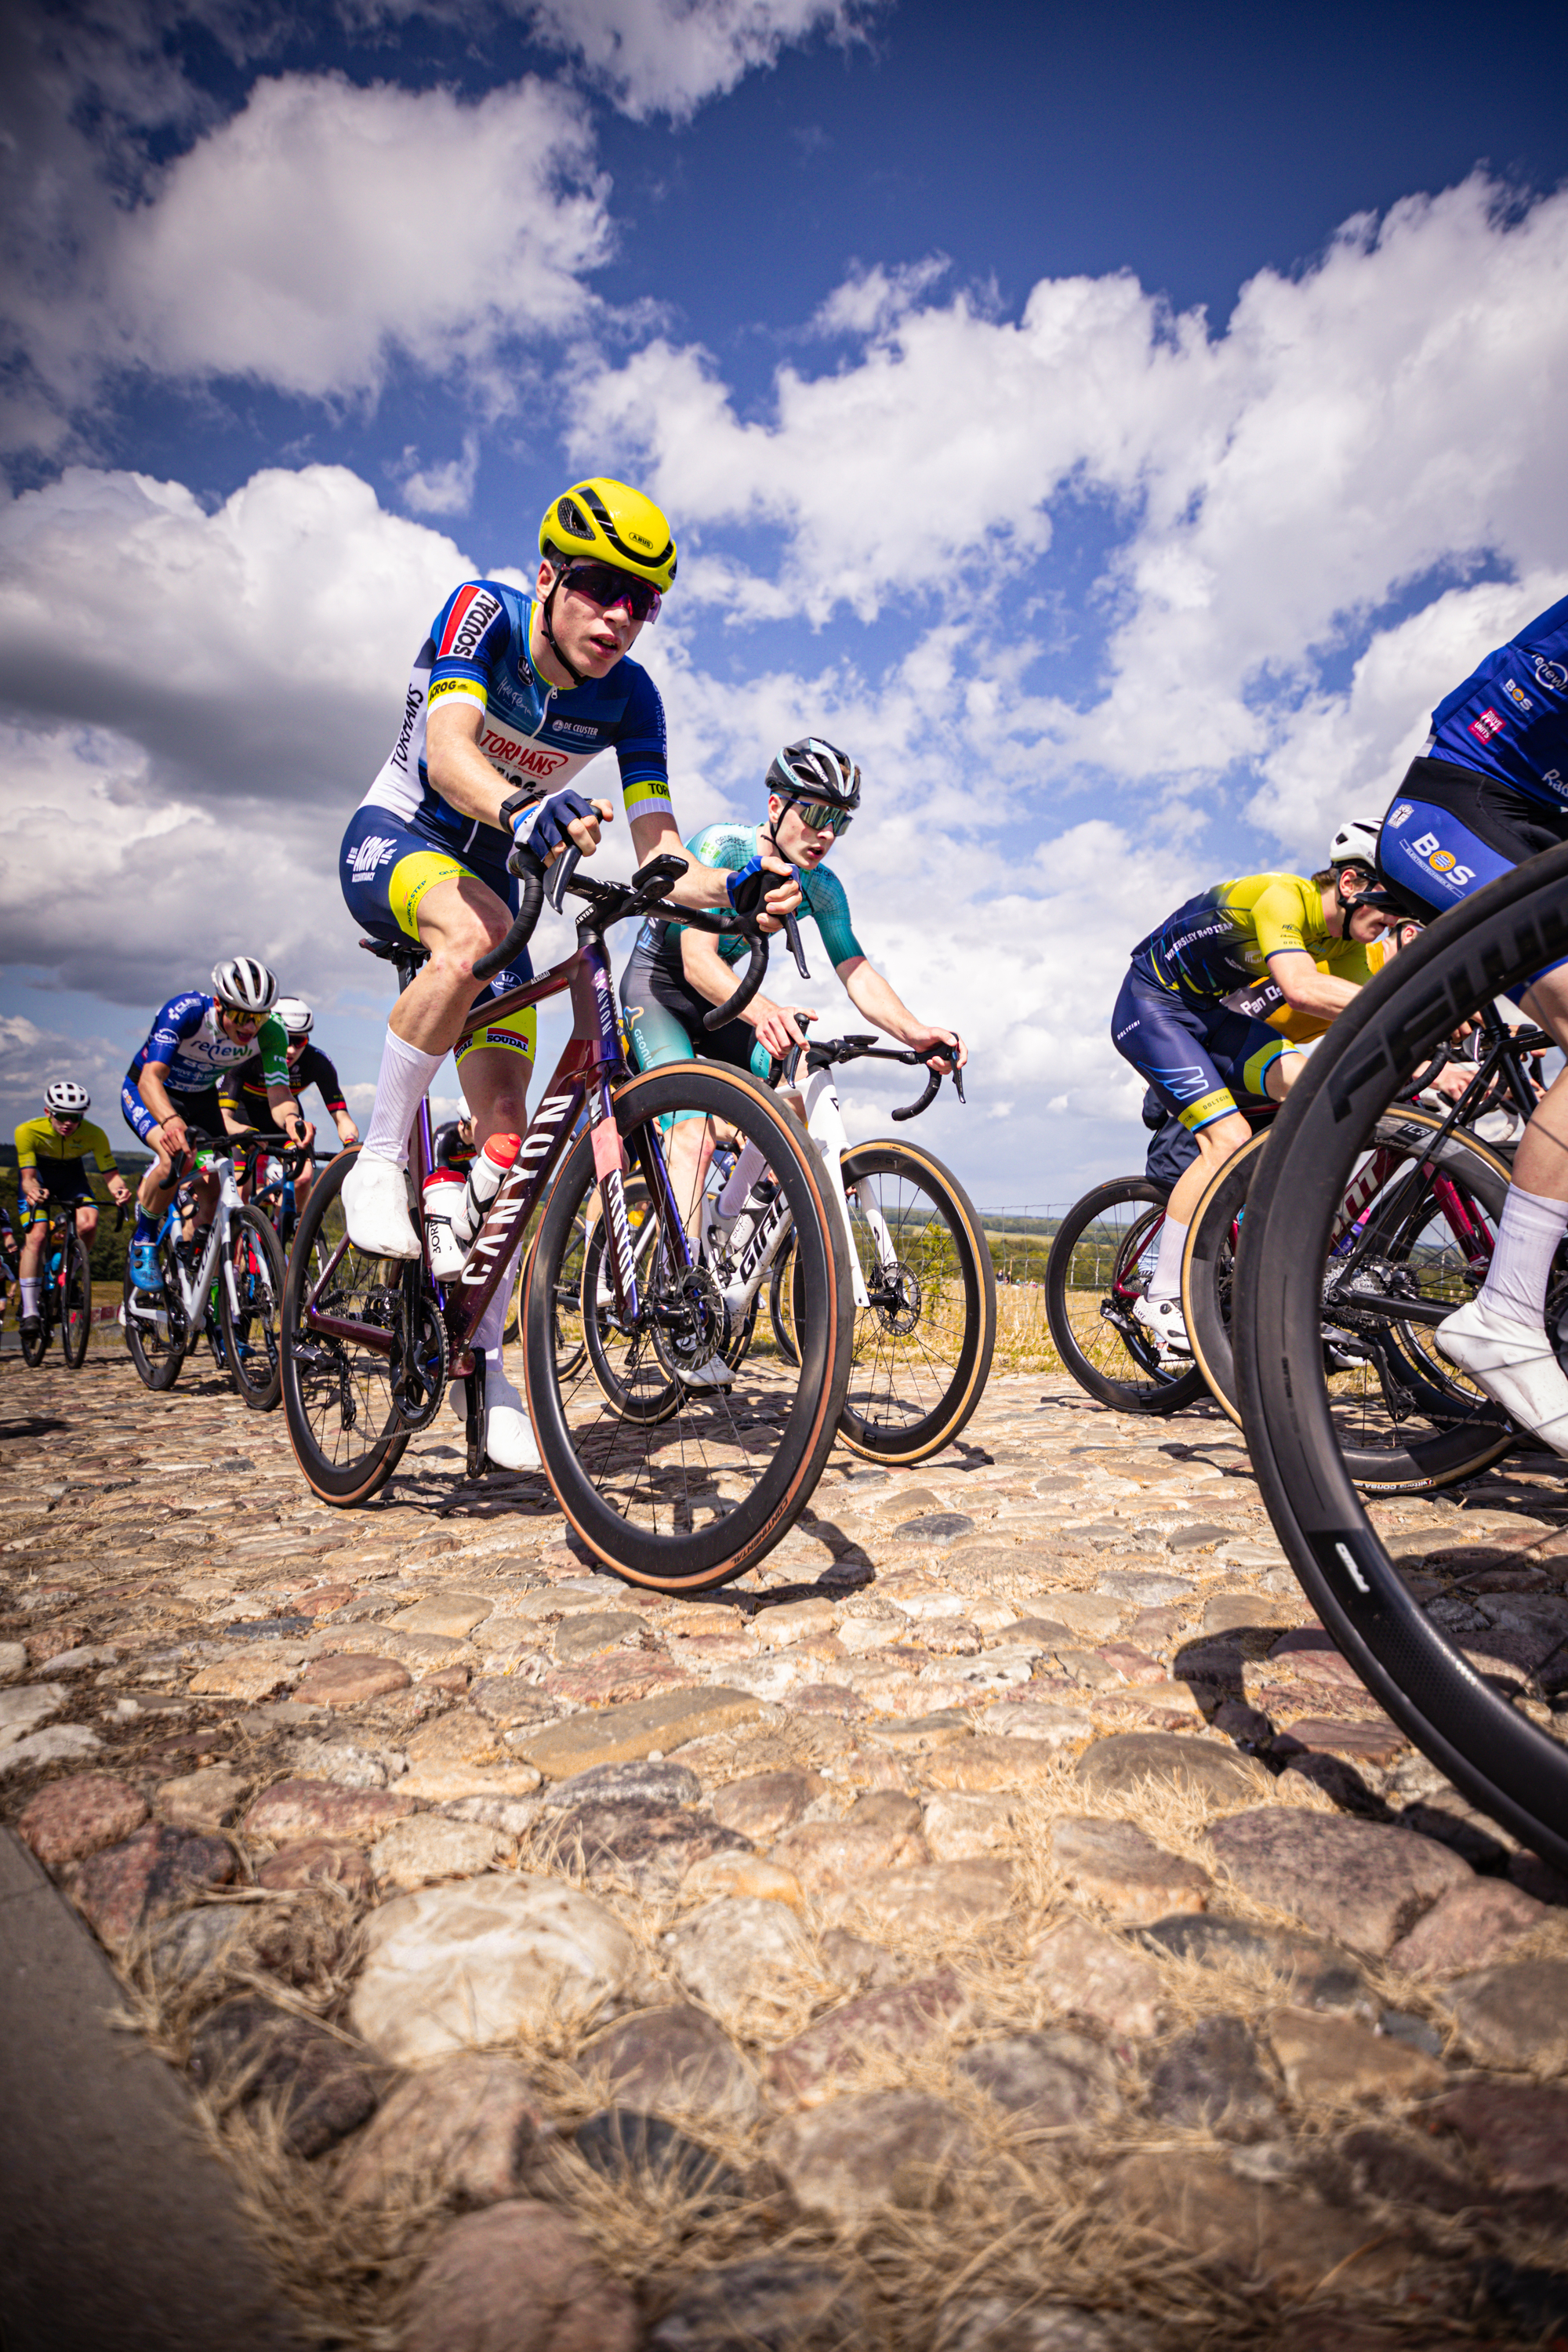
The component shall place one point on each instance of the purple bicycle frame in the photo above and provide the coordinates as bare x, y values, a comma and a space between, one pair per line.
592, 1064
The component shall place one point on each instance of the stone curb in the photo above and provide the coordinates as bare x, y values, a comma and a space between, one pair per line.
118, 2231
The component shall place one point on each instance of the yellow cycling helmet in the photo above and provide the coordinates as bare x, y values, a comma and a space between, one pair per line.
613, 522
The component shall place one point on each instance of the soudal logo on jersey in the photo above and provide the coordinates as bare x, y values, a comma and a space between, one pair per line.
1490, 723
473, 610
526, 759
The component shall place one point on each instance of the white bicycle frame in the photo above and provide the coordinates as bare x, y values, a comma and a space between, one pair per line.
825, 1124
194, 1288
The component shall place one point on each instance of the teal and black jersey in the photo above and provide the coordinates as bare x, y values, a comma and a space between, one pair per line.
733, 847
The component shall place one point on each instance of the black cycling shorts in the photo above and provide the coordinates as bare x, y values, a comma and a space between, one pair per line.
664, 1024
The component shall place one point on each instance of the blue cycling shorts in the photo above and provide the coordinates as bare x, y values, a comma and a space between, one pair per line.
1203, 1060
200, 1112
1450, 831
386, 867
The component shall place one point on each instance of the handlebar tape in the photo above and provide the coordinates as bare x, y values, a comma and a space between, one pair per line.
750, 981
530, 873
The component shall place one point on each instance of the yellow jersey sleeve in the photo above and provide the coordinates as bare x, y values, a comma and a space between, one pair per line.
1287, 916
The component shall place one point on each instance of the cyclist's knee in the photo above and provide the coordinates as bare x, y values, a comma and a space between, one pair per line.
1222, 1137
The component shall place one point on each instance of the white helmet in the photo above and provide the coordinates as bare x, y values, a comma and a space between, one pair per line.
296, 1016
243, 985
66, 1095
1355, 844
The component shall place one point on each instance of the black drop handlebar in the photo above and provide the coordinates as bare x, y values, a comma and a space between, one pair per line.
613, 902
865, 1049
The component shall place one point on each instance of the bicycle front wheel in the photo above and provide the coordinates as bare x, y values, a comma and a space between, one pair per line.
338, 1399
253, 1267
1413, 1237
1487, 947
156, 1329
923, 1345
1100, 1263
75, 1302
715, 1463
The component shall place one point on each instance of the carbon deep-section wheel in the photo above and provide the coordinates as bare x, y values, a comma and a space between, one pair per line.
339, 1395
1102, 1257
1485, 947
714, 1467
251, 1301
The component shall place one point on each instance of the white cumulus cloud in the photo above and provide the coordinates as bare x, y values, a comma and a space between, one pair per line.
666, 56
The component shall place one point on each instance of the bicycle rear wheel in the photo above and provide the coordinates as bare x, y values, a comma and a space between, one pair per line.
338, 1397
254, 1259
1102, 1261
1414, 1232
155, 1329
697, 1485
75, 1302
1482, 948
35, 1344
923, 1346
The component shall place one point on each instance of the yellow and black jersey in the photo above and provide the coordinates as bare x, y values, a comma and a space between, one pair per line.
58, 1161
1222, 939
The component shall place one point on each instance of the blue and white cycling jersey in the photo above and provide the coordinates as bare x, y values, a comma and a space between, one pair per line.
1509, 718
534, 734
188, 1038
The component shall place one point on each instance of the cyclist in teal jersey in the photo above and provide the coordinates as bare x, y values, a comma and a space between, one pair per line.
675, 975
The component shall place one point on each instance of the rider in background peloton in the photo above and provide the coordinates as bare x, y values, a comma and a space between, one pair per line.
1489, 790
1204, 1011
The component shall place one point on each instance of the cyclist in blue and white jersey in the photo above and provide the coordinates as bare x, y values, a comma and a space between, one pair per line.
1489, 790
675, 975
172, 1088
509, 698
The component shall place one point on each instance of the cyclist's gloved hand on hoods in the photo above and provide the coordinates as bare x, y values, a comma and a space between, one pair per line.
551, 818
747, 886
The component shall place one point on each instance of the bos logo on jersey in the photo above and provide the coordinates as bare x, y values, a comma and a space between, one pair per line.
1550, 676
473, 610
1517, 695
1490, 723
1442, 862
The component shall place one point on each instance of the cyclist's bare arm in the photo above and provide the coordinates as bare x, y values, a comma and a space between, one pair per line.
285, 1110
1308, 990
707, 885
777, 1026
154, 1094
464, 777
869, 993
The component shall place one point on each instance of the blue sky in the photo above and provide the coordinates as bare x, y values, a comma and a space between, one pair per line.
1118, 431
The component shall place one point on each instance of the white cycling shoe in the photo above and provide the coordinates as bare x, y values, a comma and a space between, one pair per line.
375, 1209
510, 1442
509, 1433
1515, 1363
713, 1372
1165, 1324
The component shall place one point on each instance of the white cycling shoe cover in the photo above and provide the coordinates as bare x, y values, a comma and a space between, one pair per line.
1164, 1321
375, 1207
712, 1373
510, 1442
1515, 1363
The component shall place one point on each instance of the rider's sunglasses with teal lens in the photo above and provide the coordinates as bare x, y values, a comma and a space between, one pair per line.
821, 816
603, 585
66, 1117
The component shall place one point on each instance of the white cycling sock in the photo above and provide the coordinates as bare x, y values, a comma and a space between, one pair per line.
30, 1295
1167, 1281
406, 1072
1531, 1227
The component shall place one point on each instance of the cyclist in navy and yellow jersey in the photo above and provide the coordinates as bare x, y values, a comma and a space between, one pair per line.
52, 1153
509, 698
1202, 1015
1489, 790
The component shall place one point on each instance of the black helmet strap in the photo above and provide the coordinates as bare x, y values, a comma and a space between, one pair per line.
545, 611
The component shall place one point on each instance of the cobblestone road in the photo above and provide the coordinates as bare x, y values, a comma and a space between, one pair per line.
1002, 1921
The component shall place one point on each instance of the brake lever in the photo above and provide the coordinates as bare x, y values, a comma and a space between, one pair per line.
792, 933
557, 877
